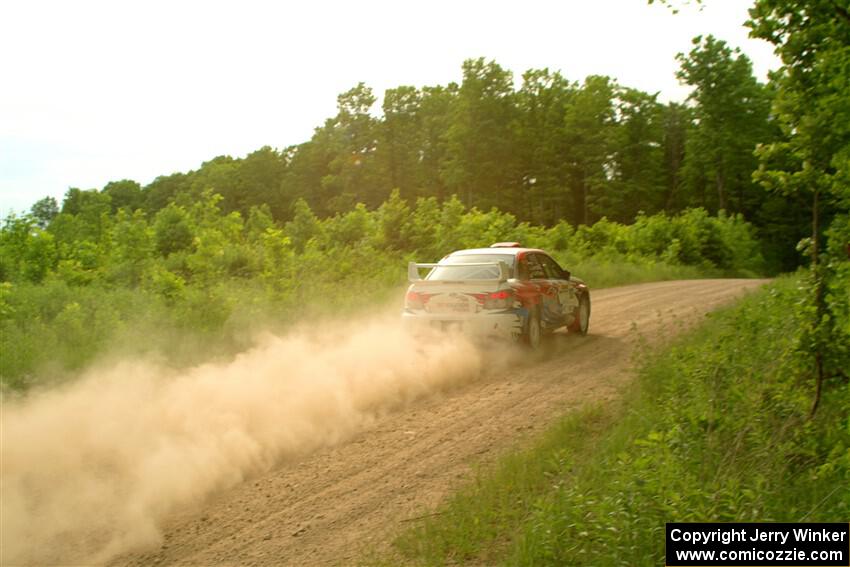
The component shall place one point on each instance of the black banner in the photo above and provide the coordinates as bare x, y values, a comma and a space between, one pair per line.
758, 544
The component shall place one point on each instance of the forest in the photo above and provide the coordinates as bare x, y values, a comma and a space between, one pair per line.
548, 151
726, 183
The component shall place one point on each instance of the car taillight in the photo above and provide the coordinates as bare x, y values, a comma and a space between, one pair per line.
499, 299
414, 300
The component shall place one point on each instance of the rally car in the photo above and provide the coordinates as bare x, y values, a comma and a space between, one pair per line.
503, 291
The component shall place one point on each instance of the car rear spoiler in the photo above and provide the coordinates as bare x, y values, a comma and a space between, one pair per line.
414, 277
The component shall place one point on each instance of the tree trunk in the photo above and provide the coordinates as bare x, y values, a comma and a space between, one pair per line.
820, 305
578, 193
672, 187
721, 190
584, 201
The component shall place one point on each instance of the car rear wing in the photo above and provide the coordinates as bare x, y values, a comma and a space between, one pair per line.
414, 277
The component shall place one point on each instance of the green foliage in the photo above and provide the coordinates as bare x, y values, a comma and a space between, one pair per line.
277, 259
716, 428
349, 229
590, 126
542, 101
720, 244
39, 256
553, 150
401, 136
172, 232
131, 250
183, 267
479, 140
809, 164
394, 220
350, 174
717, 432
124, 194
637, 183
165, 284
732, 111
557, 164
423, 227
304, 225
44, 211
26, 251
56, 327
259, 221
90, 209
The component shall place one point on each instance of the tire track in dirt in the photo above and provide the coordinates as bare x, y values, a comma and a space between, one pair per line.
326, 508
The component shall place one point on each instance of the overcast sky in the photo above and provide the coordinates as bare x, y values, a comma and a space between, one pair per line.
94, 91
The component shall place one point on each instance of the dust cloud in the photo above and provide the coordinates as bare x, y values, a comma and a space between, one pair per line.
89, 471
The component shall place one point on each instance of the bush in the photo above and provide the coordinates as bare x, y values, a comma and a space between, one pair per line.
177, 273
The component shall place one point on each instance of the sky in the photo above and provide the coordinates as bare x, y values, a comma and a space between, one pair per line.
98, 91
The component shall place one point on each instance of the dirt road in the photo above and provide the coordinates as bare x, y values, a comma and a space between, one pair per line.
328, 507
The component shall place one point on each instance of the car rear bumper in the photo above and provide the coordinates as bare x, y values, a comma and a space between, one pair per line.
496, 325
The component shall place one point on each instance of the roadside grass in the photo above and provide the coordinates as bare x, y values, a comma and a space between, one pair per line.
481, 519
714, 428
611, 272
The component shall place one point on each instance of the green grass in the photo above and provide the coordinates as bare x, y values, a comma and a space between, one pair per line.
480, 520
600, 273
715, 428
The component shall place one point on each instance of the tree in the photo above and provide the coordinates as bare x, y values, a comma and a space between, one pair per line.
400, 144
676, 119
636, 179
811, 161
163, 190
589, 123
541, 146
132, 247
350, 228
309, 165
259, 180
90, 202
394, 221
172, 230
436, 109
259, 221
353, 137
303, 226
90, 210
481, 152
219, 176
44, 211
731, 109
26, 251
124, 194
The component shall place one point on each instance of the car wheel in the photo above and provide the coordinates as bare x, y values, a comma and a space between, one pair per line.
533, 332
582, 316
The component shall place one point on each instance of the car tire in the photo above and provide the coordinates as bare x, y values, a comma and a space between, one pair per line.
581, 323
533, 335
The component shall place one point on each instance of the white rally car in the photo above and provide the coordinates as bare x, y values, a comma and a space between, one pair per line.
503, 291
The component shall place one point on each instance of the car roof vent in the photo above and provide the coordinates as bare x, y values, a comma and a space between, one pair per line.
506, 245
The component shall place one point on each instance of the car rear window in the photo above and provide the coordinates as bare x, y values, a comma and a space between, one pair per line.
471, 272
